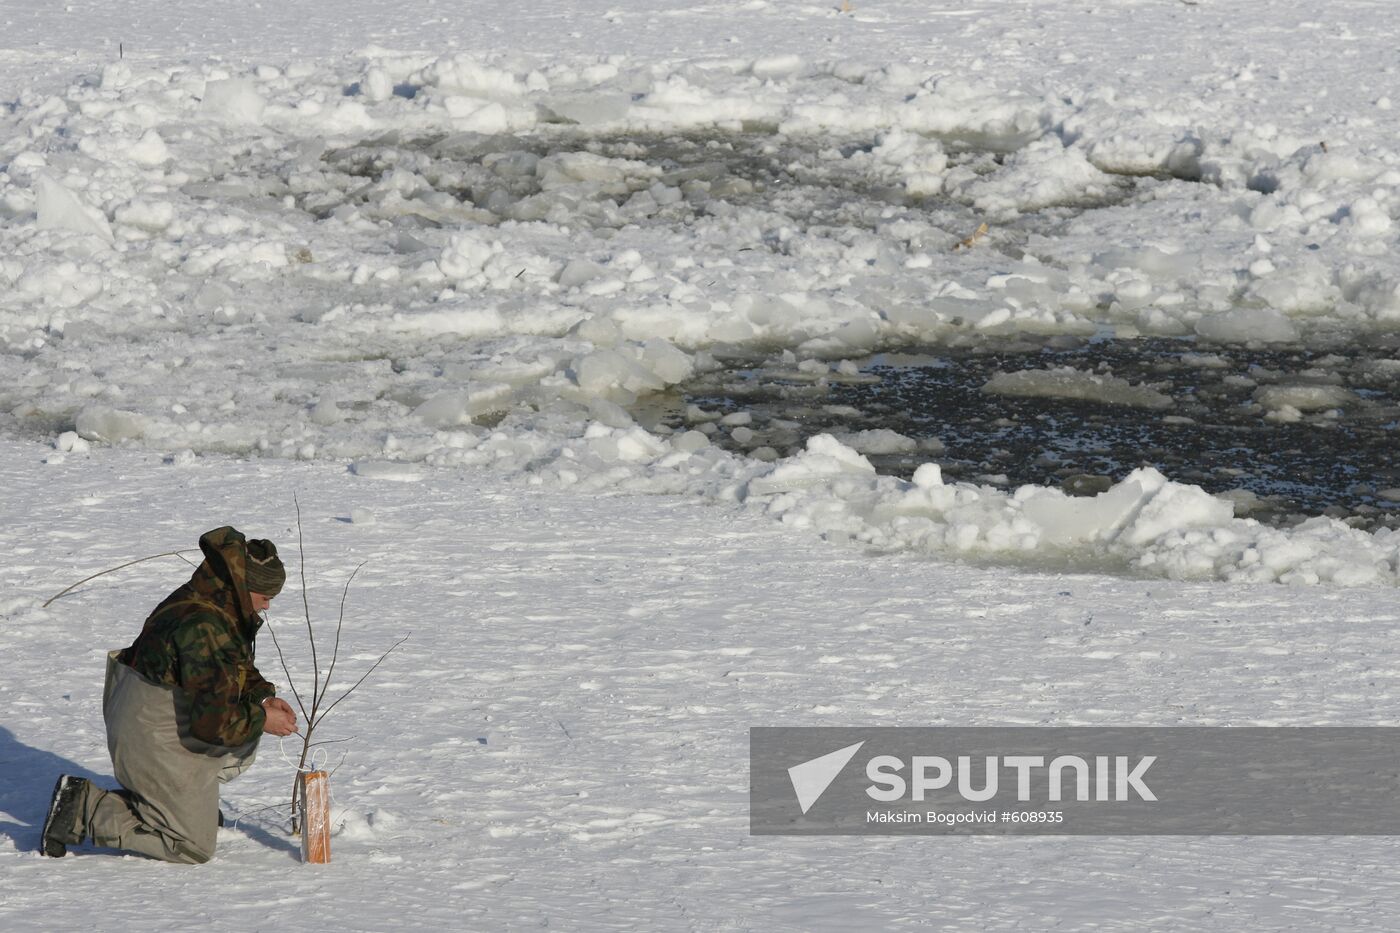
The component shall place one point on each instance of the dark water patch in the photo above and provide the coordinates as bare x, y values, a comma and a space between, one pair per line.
1287, 433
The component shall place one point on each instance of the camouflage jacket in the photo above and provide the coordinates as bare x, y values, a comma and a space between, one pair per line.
200, 639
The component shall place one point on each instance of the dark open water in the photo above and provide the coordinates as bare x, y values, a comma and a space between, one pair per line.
1339, 460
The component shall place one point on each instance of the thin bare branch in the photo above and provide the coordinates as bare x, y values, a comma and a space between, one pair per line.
292, 684
316, 688
320, 688
362, 679
250, 814
339, 624
333, 741
306, 604
129, 563
244, 814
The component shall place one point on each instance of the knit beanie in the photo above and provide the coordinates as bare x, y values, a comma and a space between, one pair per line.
264, 573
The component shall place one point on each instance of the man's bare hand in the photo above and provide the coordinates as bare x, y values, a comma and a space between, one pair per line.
281, 718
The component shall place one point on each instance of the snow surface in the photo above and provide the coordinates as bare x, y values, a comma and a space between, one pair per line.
563, 739
437, 255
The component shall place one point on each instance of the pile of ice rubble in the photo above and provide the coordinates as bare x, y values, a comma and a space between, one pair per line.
185, 266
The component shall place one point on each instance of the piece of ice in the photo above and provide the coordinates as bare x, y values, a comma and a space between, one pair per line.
233, 100
877, 441
1241, 325
110, 425
1067, 382
1303, 397
61, 209
387, 470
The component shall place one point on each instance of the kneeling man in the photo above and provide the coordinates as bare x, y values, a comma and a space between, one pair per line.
184, 708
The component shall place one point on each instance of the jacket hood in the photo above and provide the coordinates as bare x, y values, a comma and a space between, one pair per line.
225, 563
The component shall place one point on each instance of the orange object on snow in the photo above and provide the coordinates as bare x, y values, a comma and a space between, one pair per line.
315, 817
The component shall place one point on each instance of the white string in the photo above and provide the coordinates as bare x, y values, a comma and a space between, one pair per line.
317, 764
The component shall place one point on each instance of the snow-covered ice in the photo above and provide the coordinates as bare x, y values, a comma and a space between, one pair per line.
373, 255
563, 738
420, 266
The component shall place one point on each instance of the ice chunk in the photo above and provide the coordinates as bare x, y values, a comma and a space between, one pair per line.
472, 115
690, 441
466, 255
149, 151
1284, 414
570, 168
637, 445
610, 413
1044, 174
458, 407
670, 364
1155, 263
62, 284
110, 425
825, 458
387, 470
146, 216
599, 331
603, 370
878, 441
1073, 520
1302, 397
61, 209
377, 86
1368, 218
465, 75
1306, 287
917, 161
590, 109
578, 271
1067, 382
233, 100
445, 410
777, 66
1241, 325
928, 476
1172, 507
516, 163
1134, 513
71, 442
628, 445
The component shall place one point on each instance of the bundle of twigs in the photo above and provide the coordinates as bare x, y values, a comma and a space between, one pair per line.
313, 715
